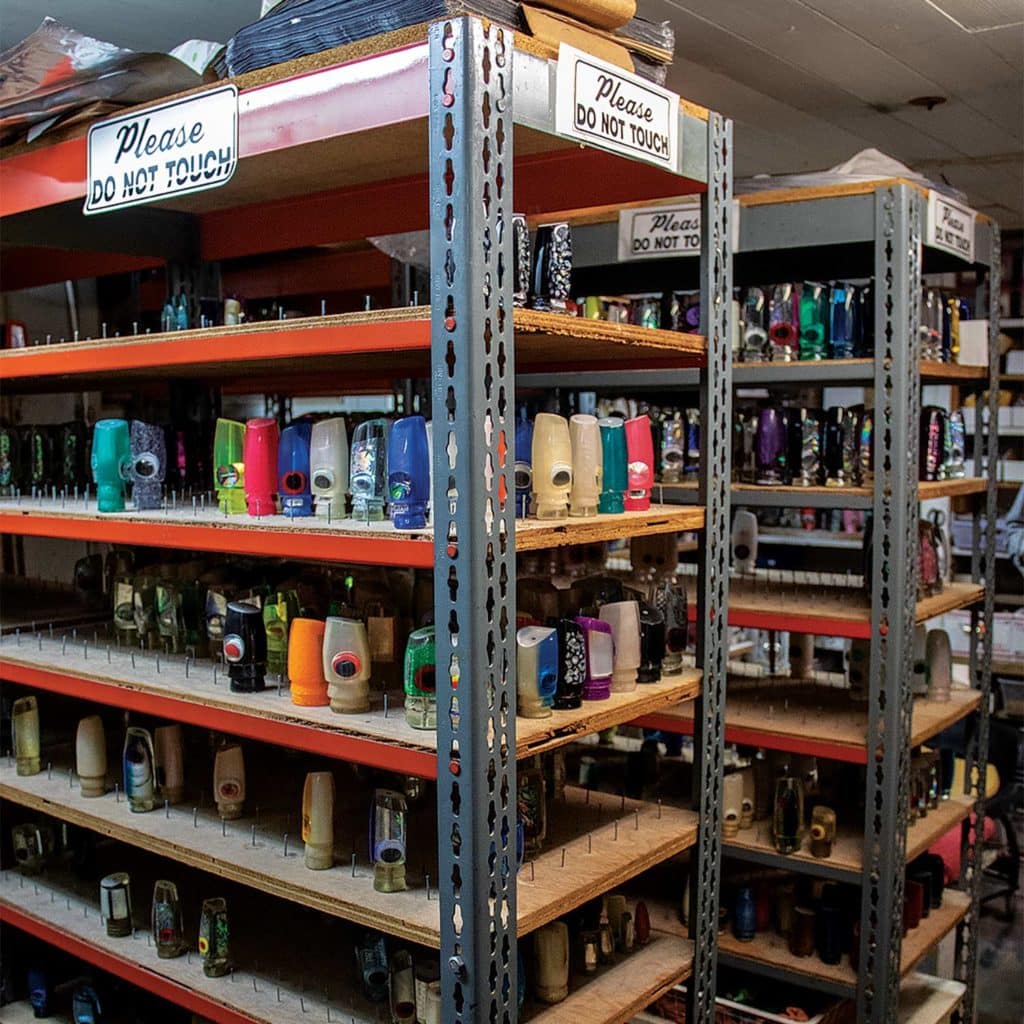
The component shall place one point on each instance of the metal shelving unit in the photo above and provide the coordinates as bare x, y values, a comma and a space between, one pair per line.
445, 109
877, 229
854, 231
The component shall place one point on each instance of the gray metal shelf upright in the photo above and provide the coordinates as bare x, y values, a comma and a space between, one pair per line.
479, 86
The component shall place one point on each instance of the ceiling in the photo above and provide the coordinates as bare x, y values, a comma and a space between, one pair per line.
808, 82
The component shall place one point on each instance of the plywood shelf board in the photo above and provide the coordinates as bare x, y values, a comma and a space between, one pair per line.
928, 1000
386, 735
784, 715
197, 837
537, 735
532, 534
59, 916
844, 605
595, 843
311, 537
615, 994
607, 841
128, 670
768, 948
848, 849
397, 340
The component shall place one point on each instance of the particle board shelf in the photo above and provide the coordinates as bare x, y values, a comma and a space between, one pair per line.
197, 837
595, 842
205, 529
381, 738
532, 534
57, 915
538, 735
846, 862
833, 611
393, 340
818, 721
821, 497
846, 371
769, 952
925, 999
312, 537
623, 989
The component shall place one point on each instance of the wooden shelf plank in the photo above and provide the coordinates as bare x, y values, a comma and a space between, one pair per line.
60, 917
615, 994
537, 735
602, 840
928, 1000
383, 740
607, 840
825, 497
532, 534
312, 537
204, 698
847, 852
397, 340
769, 950
194, 837
819, 721
832, 611
933, 372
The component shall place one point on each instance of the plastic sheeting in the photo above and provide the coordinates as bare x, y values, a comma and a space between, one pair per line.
59, 76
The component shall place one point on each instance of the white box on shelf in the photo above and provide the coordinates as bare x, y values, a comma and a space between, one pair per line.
974, 342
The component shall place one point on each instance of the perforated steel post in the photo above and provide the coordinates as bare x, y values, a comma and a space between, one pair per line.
474, 542
893, 582
713, 578
983, 570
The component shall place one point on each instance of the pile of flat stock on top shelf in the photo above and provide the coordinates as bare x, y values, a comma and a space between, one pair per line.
608, 29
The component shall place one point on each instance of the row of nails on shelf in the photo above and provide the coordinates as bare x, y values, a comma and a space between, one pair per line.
154, 767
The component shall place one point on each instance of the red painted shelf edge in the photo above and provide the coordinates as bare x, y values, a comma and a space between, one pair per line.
131, 972
375, 753
404, 551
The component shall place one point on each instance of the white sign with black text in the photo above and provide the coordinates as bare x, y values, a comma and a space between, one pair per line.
949, 225
183, 146
654, 232
604, 106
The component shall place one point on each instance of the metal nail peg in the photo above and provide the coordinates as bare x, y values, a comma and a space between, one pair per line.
254, 835
428, 886
117, 793
353, 865
167, 809
49, 770
385, 704
615, 836
563, 857
286, 844
195, 817
590, 844
533, 871
223, 828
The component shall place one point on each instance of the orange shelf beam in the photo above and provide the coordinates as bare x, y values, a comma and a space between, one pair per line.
321, 546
